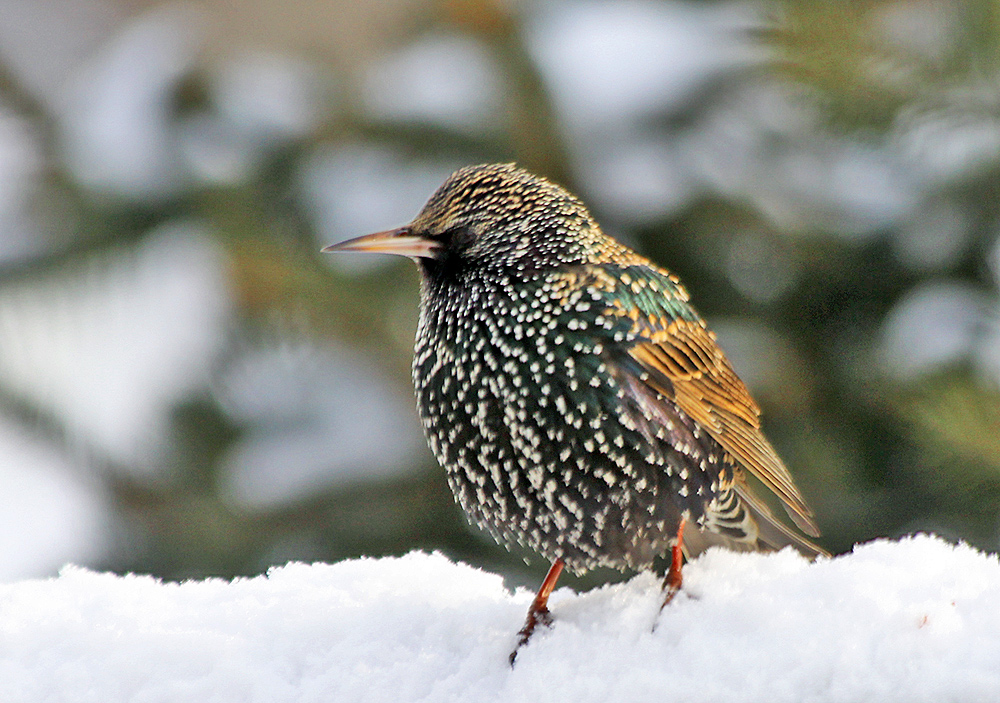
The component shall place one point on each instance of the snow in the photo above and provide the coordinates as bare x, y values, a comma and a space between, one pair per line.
448, 80
117, 115
615, 62
49, 511
20, 165
306, 418
111, 346
937, 323
913, 620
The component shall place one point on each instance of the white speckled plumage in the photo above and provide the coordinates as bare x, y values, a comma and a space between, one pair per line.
577, 402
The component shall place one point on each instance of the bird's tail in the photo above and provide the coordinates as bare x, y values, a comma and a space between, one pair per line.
742, 522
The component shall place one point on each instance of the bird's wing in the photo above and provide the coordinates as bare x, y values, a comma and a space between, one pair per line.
678, 357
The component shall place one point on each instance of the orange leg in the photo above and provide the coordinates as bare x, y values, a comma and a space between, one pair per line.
539, 610
672, 584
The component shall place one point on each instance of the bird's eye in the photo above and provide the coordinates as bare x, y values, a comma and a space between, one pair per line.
456, 238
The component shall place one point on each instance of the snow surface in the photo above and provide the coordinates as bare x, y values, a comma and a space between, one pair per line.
914, 620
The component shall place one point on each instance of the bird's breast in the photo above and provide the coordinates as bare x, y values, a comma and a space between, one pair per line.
521, 407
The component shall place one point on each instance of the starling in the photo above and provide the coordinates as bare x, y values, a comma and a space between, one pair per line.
578, 403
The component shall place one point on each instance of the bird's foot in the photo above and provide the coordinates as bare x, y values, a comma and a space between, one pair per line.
541, 616
672, 584
675, 578
669, 593
538, 613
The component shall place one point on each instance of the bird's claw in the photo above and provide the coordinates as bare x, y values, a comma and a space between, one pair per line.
541, 616
670, 591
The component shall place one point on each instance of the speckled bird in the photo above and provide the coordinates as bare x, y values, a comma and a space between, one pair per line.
578, 403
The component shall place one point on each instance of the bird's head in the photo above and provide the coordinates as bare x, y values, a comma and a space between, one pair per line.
490, 217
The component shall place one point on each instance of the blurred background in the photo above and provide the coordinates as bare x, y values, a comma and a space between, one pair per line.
188, 388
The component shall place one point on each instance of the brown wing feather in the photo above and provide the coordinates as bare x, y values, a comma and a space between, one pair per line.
685, 363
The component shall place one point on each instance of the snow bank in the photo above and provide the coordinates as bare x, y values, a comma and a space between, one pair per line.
915, 620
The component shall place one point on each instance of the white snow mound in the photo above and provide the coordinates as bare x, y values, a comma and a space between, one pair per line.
910, 620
